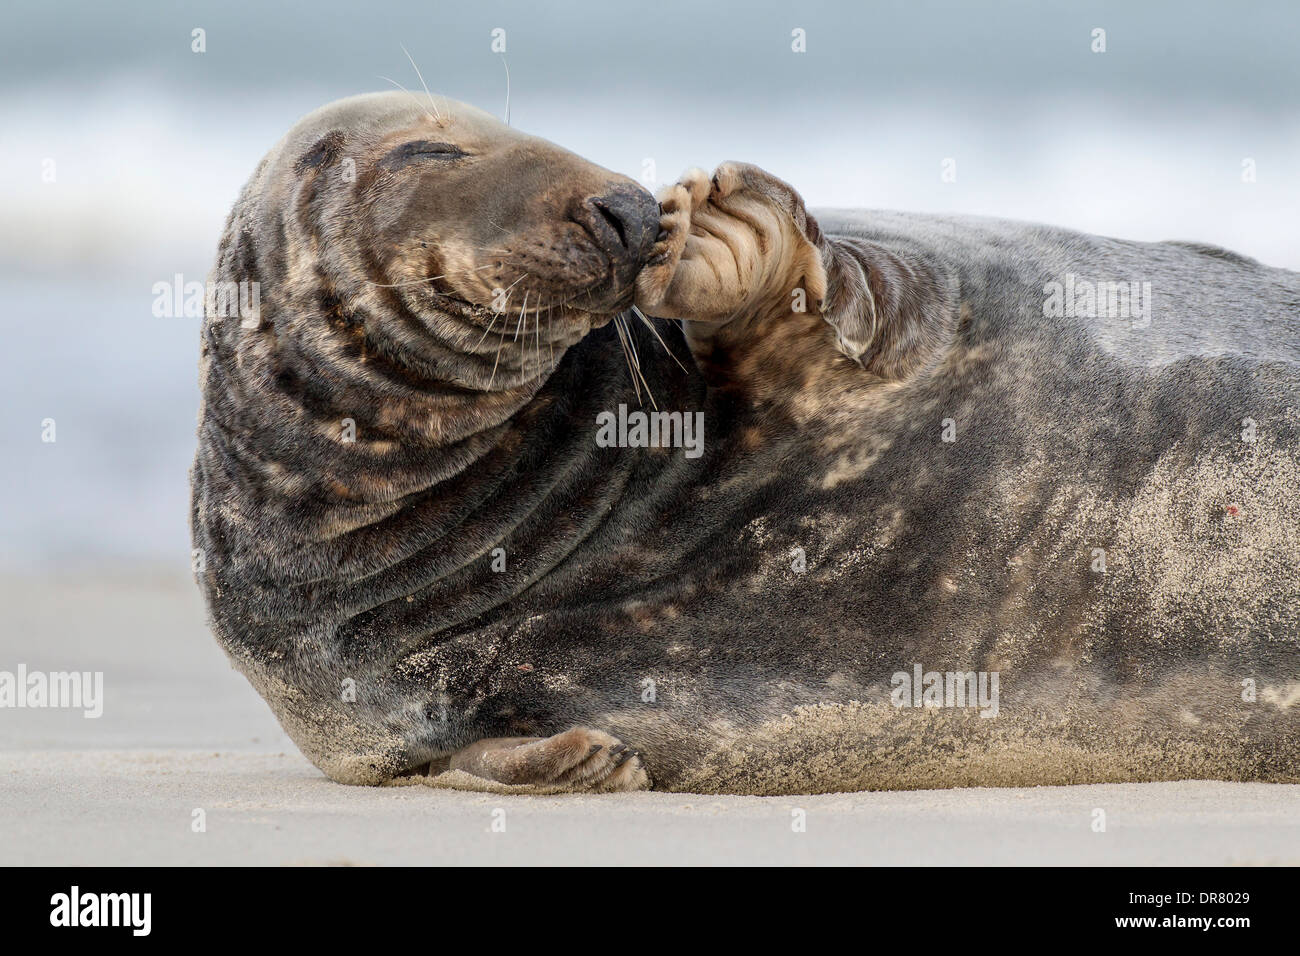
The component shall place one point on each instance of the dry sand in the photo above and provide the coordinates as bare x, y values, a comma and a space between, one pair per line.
182, 732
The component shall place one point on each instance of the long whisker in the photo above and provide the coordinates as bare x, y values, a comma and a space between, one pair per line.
522, 319
501, 341
634, 366
410, 94
623, 342
425, 85
506, 291
636, 359
636, 363
507, 66
650, 325
488, 329
550, 333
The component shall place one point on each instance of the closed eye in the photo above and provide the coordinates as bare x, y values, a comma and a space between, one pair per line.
421, 151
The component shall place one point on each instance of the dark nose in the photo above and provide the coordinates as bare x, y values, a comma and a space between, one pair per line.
624, 221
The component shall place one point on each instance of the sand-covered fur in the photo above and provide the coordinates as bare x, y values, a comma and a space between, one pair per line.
931, 446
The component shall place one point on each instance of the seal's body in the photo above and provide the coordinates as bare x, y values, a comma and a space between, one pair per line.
944, 465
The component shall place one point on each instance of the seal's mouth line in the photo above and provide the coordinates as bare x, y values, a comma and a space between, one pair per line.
571, 303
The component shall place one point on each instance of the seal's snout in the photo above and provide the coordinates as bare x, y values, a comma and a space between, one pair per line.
623, 221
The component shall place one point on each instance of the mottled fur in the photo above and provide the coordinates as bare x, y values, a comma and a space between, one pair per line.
656, 597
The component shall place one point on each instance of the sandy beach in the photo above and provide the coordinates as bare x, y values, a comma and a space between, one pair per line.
130, 130
181, 732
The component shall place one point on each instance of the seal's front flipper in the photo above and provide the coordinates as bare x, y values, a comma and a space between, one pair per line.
578, 760
776, 305
677, 204
735, 246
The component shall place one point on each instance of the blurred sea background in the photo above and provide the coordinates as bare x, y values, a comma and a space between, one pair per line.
151, 142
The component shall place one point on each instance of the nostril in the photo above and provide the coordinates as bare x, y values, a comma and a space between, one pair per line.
613, 219
622, 221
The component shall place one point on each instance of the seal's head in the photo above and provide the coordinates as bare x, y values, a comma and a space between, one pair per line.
423, 208
416, 271
453, 192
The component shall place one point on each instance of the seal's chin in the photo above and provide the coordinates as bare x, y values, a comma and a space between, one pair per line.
610, 303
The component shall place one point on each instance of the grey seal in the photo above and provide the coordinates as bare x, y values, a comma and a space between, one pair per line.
948, 526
